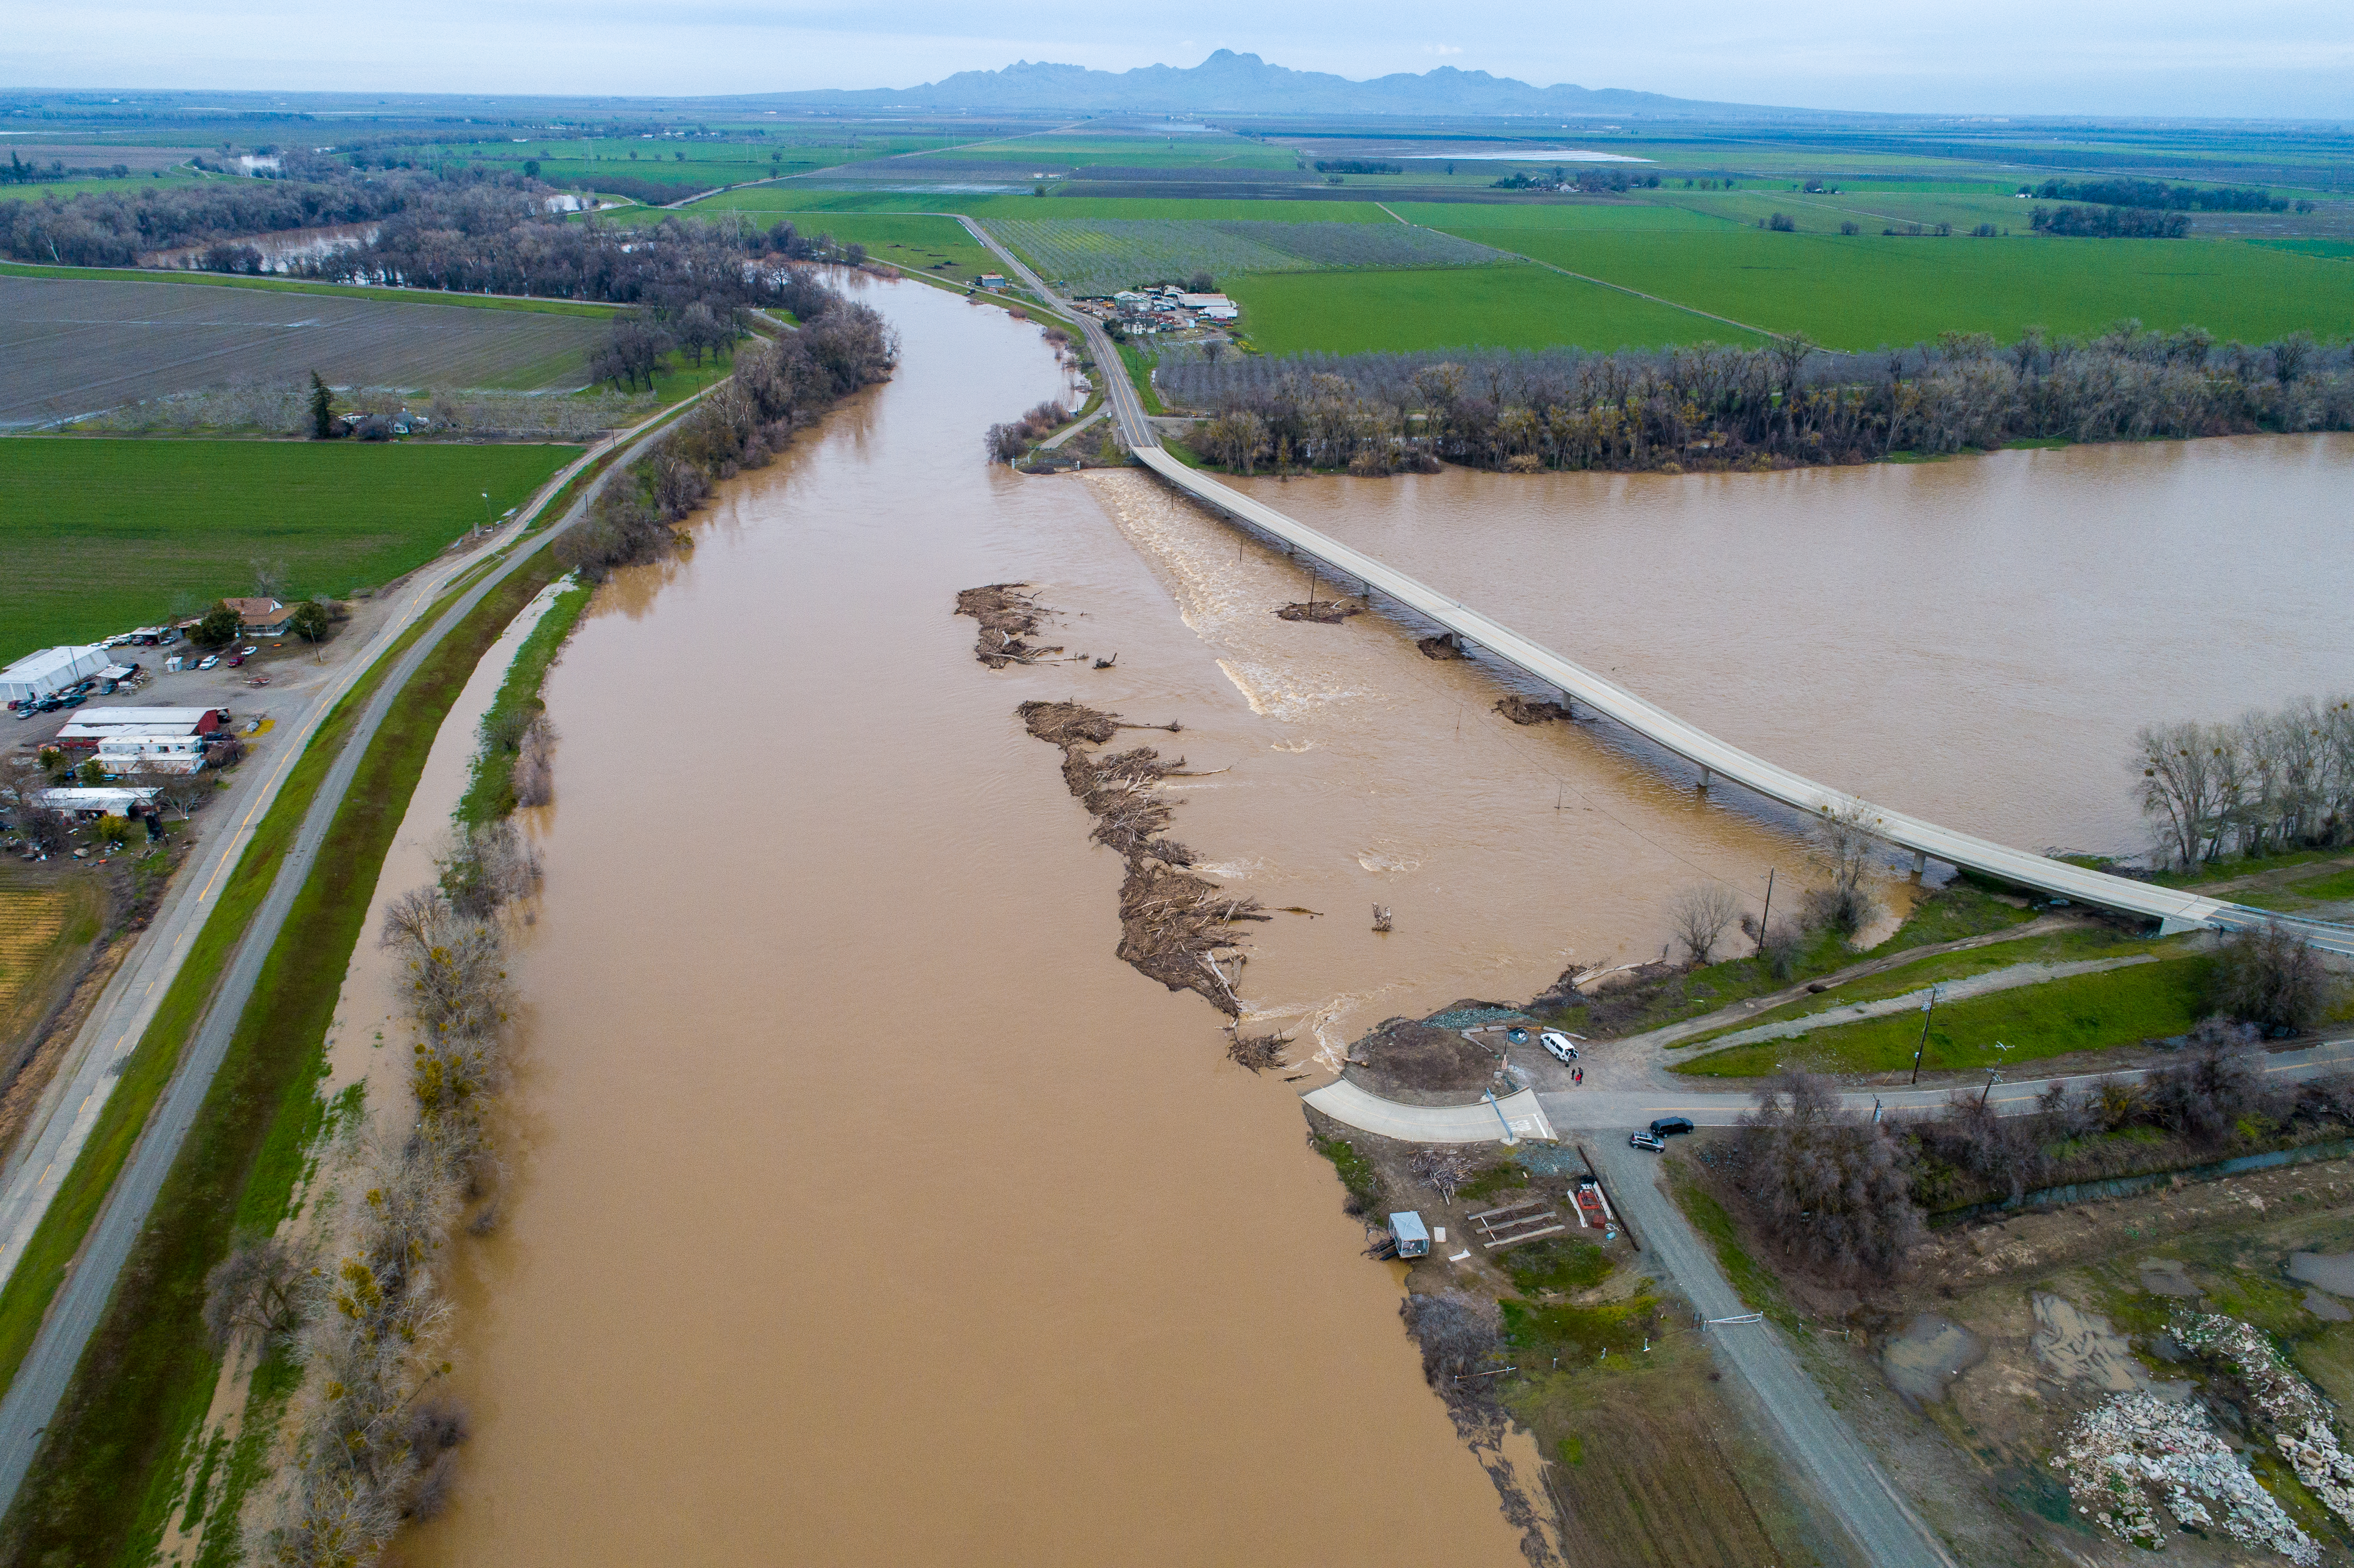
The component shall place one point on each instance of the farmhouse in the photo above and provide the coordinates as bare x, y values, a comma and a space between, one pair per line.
260, 616
51, 670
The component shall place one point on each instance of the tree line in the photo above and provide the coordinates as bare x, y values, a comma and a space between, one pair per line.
2158, 197
778, 387
2107, 223
2265, 783
1710, 407
365, 1310
114, 229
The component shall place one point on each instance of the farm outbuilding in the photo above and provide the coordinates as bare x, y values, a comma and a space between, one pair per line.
92, 726
50, 669
103, 802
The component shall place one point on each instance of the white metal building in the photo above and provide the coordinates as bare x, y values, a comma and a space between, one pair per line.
103, 801
50, 669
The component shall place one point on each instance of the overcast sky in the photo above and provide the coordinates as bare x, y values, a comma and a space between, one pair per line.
2247, 58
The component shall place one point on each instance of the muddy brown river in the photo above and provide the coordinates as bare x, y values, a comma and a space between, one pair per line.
865, 1209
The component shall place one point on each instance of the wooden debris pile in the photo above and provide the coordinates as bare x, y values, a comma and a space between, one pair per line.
1328, 611
1443, 645
1173, 926
1007, 615
1068, 724
1519, 710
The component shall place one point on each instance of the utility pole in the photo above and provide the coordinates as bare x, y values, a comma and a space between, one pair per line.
486, 511
1769, 909
1928, 1007
1993, 1079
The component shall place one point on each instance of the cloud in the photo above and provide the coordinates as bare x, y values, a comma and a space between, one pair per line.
1440, 49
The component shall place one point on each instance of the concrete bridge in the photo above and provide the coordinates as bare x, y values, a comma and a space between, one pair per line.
2174, 910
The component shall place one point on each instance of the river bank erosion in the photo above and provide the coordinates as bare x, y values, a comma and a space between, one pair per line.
862, 1204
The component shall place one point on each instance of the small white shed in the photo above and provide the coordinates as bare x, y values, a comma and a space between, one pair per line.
1412, 1237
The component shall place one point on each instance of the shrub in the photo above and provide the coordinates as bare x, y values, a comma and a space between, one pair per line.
2270, 977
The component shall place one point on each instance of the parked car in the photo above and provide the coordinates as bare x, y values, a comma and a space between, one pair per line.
235, 659
250, 650
1670, 1126
208, 662
1559, 1044
1645, 1140
74, 700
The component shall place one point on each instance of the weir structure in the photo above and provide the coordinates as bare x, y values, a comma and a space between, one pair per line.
2173, 909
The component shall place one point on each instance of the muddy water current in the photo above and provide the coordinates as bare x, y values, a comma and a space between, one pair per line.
864, 1209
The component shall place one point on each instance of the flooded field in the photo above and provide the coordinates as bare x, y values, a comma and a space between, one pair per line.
1975, 640
865, 1208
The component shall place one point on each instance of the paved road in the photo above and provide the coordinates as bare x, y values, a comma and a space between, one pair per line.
48, 1368
1612, 1110
1813, 1437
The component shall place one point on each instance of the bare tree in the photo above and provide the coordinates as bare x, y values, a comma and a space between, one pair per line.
269, 577
43, 830
256, 1288
1831, 1186
1700, 915
1846, 840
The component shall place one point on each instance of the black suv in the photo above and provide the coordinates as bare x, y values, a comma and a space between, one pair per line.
1669, 1126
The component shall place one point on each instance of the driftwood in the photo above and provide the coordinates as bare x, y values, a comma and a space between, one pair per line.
1068, 724
1519, 710
1380, 916
1256, 1052
1328, 611
1173, 926
1445, 645
1006, 615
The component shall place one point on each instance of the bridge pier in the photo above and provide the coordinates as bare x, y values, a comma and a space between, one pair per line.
1707, 777
1920, 863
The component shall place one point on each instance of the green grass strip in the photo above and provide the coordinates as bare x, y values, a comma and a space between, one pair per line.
1140, 371
148, 1376
2059, 948
1753, 1284
2082, 1013
297, 286
490, 793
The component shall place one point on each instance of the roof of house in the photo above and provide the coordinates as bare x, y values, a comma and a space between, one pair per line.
259, 611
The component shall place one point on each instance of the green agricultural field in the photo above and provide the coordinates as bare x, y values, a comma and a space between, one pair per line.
1505, 306
1098, 256
1652, 211
1863, 291
795, 197
103, 536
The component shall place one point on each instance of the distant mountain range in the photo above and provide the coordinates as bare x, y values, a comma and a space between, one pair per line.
1229, 83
